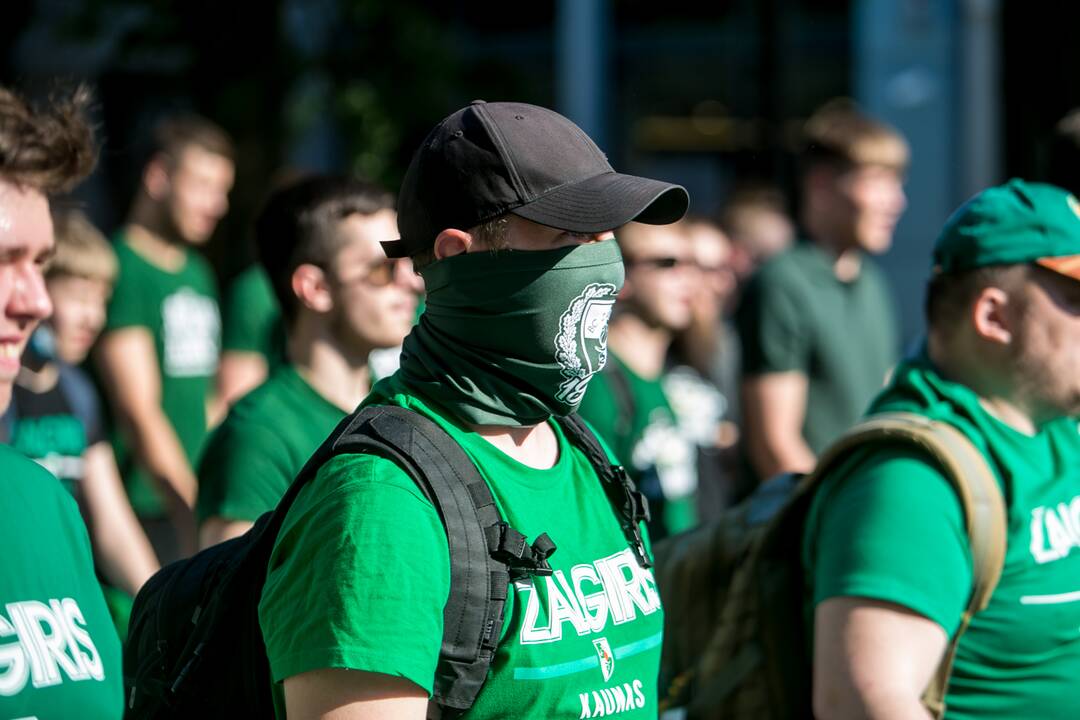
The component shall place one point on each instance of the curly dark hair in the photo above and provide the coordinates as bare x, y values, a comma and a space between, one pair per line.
49, 149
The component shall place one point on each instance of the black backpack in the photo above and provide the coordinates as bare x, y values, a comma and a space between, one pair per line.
195, 648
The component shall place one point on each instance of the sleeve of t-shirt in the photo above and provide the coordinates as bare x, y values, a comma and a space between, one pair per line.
772, 327
892, 529
242, 473
128, 306
250, 314
359, 576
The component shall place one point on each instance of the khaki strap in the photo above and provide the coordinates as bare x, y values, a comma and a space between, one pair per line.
980, 495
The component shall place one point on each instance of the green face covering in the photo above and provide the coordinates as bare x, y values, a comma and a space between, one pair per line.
511, 338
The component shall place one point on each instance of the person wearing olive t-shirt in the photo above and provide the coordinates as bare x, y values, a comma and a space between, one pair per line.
59, 652
158, 354
816, 323
318, 241
886, 549
507, 209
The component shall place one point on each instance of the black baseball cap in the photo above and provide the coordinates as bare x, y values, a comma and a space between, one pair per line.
488, 159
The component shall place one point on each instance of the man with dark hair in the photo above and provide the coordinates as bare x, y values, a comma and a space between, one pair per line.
509, 208
816, 323
318, 241
886, 550
159, 352
60, 653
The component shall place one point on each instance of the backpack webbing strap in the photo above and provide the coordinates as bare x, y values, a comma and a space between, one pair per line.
479, 578
631, 505
980, 495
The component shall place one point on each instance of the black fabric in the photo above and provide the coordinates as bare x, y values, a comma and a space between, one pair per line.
492, 158
195, 648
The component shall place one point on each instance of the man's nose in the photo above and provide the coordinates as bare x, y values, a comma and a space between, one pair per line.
29, 298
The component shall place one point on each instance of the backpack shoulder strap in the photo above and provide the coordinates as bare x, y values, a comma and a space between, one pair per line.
631, 506
980, 495
486, 554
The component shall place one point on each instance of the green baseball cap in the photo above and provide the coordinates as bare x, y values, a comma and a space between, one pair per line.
1018, 222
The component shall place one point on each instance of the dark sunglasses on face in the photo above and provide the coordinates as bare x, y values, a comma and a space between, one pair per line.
379, 273
661, 263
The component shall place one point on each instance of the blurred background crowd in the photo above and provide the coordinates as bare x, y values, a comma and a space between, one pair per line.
811, 135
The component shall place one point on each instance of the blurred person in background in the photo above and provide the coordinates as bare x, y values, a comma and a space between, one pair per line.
158, 355
61, 653
318, 243
252, 335
756, 222
55, 415
705, 410
817, 322
626, 402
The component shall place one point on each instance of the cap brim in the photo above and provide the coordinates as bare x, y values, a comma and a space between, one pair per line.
1068, 265
608, 201
394, 248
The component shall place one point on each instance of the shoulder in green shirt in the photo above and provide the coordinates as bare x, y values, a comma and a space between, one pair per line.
59, 651
252, 458
888, 526
252, 317
360, 574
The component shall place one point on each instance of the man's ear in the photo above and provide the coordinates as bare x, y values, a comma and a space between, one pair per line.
311, 289
156, 180
452, 242
992, 317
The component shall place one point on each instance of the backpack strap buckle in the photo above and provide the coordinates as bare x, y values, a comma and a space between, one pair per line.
510, 547
635, 510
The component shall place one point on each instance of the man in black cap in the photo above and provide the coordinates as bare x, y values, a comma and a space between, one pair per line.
507, 210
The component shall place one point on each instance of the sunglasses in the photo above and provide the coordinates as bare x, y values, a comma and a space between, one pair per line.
660, 263
379, 273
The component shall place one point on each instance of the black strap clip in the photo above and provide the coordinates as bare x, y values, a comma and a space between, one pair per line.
510, 547
635, 510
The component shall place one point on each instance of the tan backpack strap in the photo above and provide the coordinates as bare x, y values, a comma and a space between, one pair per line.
980, 495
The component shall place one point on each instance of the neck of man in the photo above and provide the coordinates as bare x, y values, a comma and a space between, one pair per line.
640, 345
153, 243
340, 376
961, 362
846, 256
38, 380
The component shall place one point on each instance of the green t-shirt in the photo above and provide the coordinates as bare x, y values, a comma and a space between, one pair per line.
252, 318
890, 527
59, 652
632, 414
360, 574
795, 315
252, 458
181, 312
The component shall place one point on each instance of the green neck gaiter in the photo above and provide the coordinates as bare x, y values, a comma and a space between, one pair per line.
512, 337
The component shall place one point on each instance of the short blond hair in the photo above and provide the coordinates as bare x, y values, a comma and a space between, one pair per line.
81, 249
840, 133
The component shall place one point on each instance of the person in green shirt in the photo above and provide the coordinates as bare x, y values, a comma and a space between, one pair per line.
318, 241
252, 334
59, 652
816, 323
886, 551
507, 210
626, 403
158, 354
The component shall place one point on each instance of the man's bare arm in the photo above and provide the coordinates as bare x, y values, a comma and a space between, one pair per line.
774, 408
217, 529
336, 694
873, 660
240, 371
128, 364
125, 554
